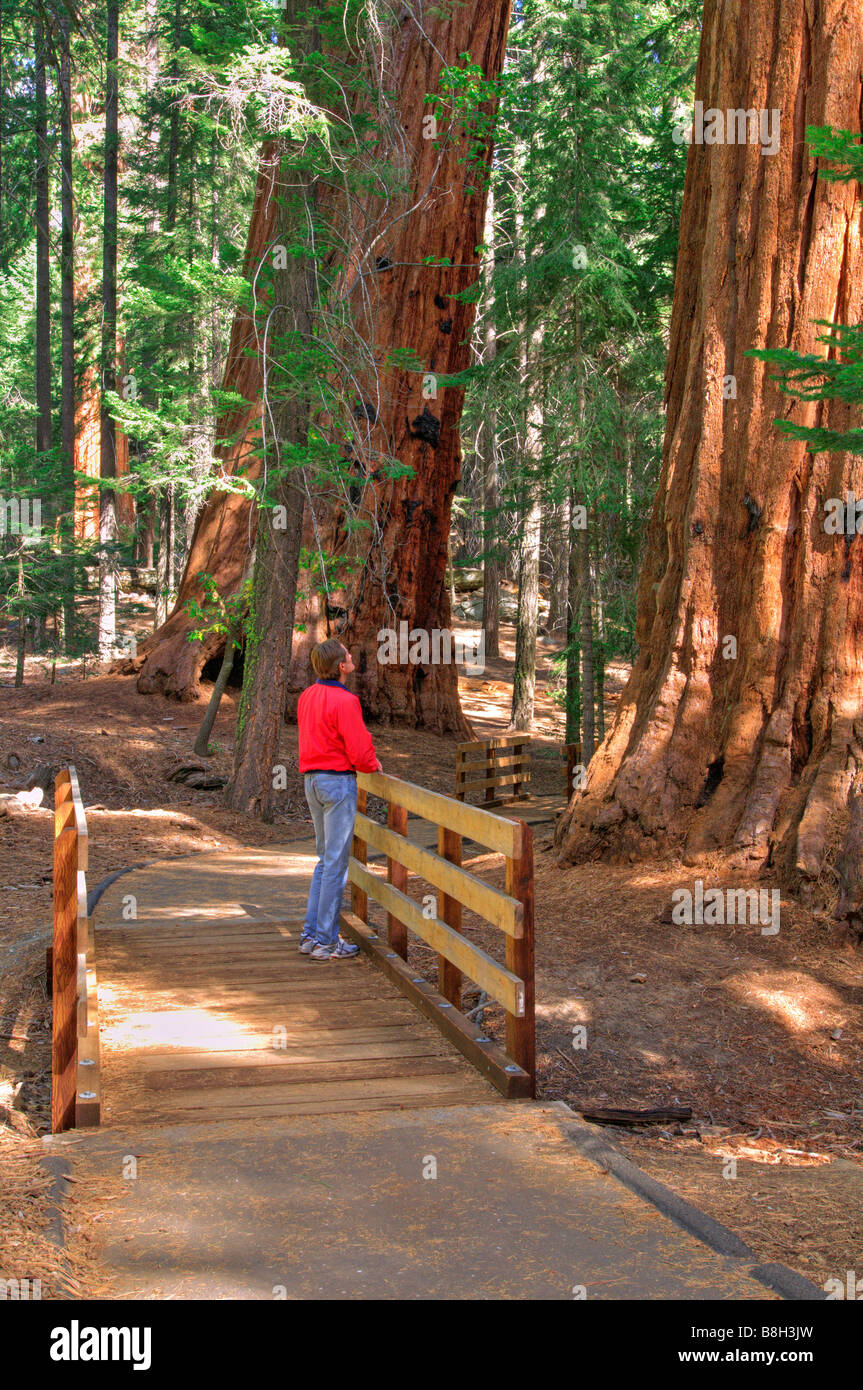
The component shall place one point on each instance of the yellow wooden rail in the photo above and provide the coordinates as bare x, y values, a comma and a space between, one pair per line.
75, 1079
480, 897
493, 765
512, 984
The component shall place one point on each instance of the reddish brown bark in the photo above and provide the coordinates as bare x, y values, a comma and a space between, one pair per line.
87, 447
225, 529
754, 753
400, 567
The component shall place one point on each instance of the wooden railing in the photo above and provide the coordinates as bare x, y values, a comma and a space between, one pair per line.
75, 1079
513, 1070
491, 765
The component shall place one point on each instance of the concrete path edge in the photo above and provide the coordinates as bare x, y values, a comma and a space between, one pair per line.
600, 1150
60, 1169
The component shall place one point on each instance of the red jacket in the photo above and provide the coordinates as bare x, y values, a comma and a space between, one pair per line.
333, 737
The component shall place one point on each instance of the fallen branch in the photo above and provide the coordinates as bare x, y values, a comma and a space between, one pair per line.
638, 1117
478, 1008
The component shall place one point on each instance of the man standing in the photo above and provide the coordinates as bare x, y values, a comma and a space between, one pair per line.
334, 746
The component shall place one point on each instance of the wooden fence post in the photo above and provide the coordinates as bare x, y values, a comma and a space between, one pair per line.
517, 751
521, 1032
397, 875
64, 960
449, 911
359, 899
491, 766
460, 772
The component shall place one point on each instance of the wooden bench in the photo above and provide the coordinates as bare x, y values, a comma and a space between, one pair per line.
491, 765
513, 1070
75, 1068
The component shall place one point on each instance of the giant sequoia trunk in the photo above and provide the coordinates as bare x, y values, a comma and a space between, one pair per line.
749, 752
408, 305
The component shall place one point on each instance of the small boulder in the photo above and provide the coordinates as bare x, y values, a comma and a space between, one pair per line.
184, 771
205, 781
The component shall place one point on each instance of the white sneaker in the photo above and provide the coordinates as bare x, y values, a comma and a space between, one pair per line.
343, 950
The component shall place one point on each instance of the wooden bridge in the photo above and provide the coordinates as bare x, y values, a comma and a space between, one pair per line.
207, 1020
206, 1010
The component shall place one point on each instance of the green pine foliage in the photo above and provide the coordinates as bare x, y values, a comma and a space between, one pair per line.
587, 183
837, 376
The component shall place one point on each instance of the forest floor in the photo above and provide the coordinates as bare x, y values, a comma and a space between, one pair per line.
762, 1037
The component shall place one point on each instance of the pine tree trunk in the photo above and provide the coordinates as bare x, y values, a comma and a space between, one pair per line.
403, 574
573, 647
524, 673
270, 625
146, 533
67, 331
108, 443
752, 753
450, 573
559, 547
21, 651
490, 565
43, 264
580, 559
147, 504
268, 653
170, 542
215, 317
22, 624
599, 649
2, 208
588, 728
576, 598
164, 560
487, 448
173, 128
202, 742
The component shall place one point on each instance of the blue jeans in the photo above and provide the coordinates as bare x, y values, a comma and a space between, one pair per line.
332, 801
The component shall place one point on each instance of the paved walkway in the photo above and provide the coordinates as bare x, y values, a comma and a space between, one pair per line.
339, 1206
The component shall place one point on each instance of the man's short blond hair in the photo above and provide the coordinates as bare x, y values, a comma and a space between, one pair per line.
327, 657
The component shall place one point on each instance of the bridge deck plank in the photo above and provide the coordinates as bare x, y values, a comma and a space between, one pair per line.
217, 1021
